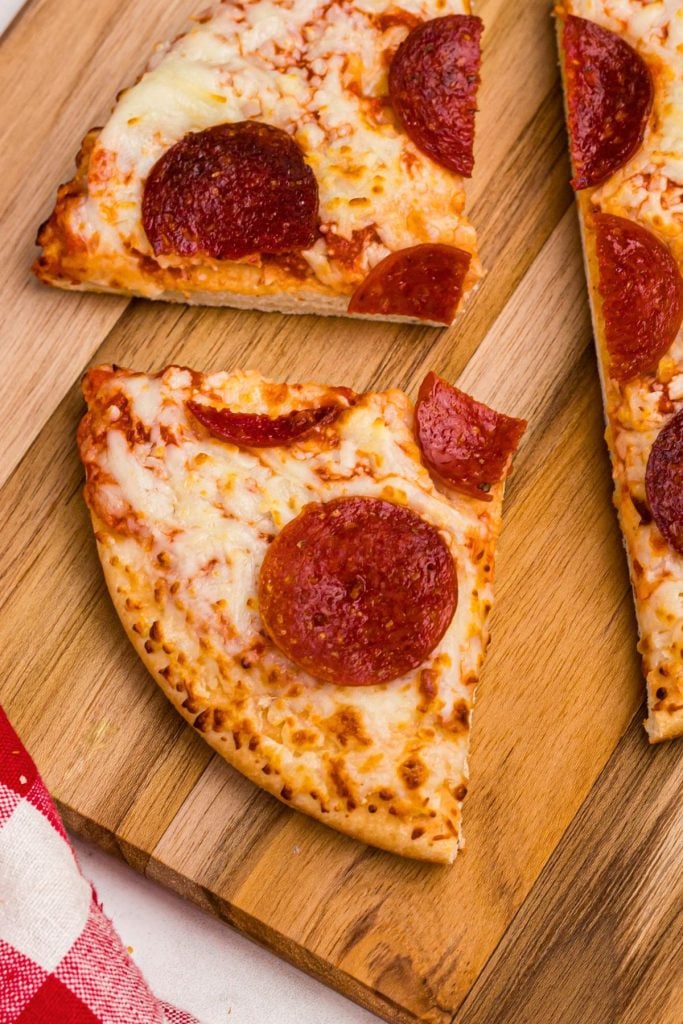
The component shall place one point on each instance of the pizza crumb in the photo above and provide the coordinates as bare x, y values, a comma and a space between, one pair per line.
23, 780
296, 849
130, 949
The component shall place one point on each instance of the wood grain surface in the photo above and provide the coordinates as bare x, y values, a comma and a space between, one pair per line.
567, 903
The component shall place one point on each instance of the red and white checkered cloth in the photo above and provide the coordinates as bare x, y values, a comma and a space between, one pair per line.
61, 962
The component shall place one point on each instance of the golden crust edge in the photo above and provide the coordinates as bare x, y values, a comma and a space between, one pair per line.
65, 263
387, 833
270, 303
659, 725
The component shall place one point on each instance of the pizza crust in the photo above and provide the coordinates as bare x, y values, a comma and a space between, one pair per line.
67, 264
380, 828
375, 182
182, 522
386, 764
665, 715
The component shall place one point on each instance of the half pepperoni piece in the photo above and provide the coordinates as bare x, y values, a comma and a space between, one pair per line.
642, 296
609, 98
433, 82
357, 591
254, 430
231, 191
466, 443
664, 481
424, 282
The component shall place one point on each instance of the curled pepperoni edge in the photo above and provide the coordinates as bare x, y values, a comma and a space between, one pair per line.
664, 482
440, 406
434, 101
577, 34
406, 283
403, 575
256, 430
647, 261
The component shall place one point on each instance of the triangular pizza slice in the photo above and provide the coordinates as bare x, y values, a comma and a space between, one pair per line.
622, 68
297, 156
307, 573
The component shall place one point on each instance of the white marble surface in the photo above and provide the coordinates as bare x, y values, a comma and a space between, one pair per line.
8, 9
201, 964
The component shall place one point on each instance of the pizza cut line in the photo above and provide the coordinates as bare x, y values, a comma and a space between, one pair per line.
307, 573
622, 63
299, 156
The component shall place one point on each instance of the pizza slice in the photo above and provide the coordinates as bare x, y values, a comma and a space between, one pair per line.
622, 65
298, 156
307, 573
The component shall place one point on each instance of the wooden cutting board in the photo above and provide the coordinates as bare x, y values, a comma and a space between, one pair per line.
566, 905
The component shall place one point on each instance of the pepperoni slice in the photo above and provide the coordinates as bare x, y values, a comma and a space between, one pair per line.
642, 295
609, 98
433, 82
253, 430
231, 191
664, 481
424, 282
358, 590
465, 442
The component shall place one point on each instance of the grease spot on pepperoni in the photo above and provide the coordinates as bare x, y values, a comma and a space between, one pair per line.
433, 82
664, 481
255, 430
642, 295
465, 442
357, 591
609, 98
423, 281
231, 191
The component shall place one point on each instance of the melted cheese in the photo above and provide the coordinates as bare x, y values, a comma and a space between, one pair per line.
183, 522
319, 72
648, 190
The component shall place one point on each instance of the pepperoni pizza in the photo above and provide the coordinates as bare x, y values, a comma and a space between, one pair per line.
299, 156
623, 72
307, 573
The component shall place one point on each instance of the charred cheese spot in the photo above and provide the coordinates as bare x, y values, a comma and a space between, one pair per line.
340, 781
346, 725
203, 721
413, 772
459, 719
305, 739
191, 705
428, 687
220, 719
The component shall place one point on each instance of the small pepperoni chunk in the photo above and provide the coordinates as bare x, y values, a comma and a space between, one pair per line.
642, 296
664, 482
231, 191
424, 282
433, 82
254, 430
609, 98
347, 250
466, 443
357, 591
